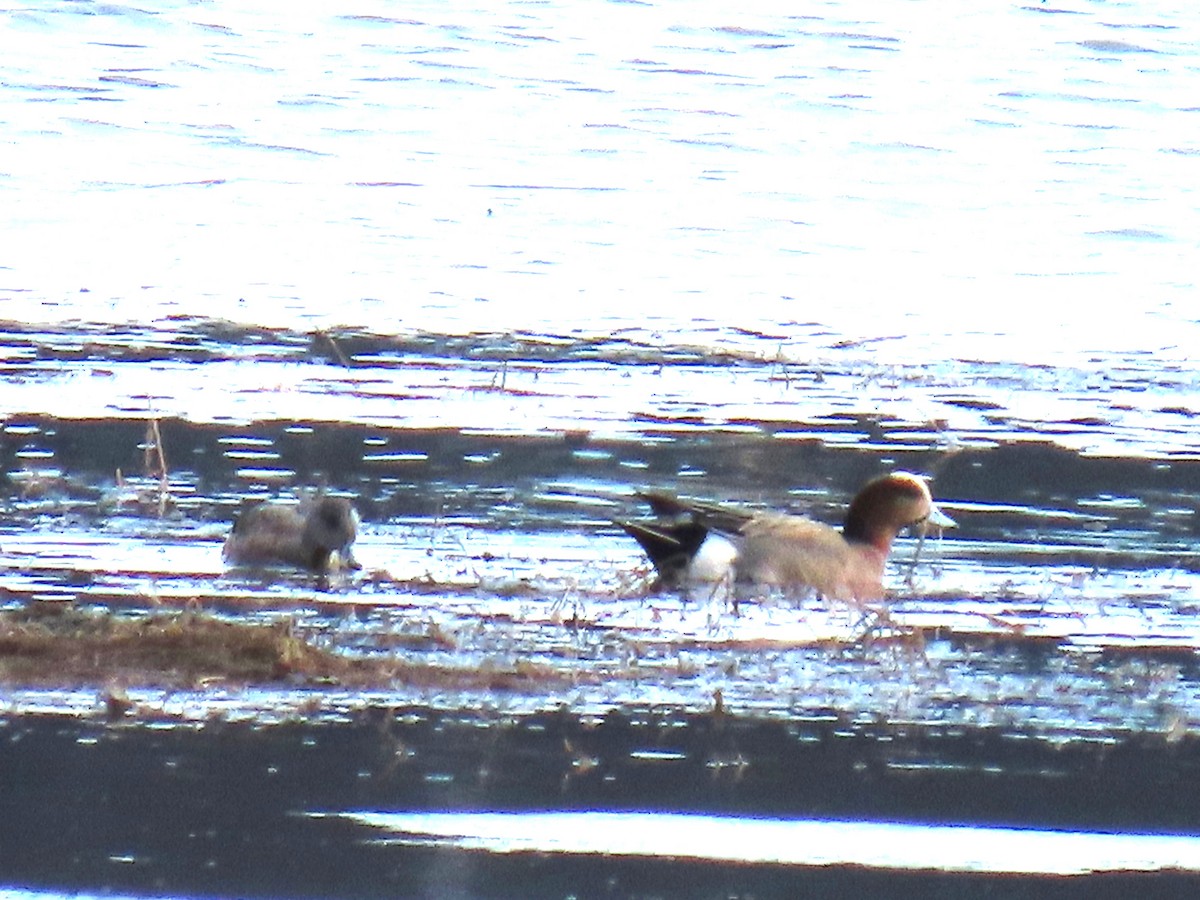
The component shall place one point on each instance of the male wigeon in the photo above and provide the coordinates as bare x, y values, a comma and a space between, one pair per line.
316, 535
692, 542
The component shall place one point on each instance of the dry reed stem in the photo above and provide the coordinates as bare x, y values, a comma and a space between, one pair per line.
155, 463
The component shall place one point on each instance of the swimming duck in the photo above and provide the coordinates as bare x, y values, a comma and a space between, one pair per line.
316, 535
693, 541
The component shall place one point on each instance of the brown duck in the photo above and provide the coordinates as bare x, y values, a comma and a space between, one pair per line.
782, 550
316, 535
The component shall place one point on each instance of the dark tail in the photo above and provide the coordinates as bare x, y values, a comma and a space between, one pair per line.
670, 545
673, 538
713, 516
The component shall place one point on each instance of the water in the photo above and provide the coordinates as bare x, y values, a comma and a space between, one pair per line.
646, 801
799, 843
489, 270
636, 158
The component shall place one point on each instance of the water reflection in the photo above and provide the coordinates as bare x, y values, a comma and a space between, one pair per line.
758, 841
384, 800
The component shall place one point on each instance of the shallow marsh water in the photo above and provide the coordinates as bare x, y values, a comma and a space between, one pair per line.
488, 272
1061, 613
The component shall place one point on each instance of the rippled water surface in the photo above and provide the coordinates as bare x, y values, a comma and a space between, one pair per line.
488, 271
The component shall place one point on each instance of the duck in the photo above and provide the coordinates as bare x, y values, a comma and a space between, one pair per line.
692, 541
316, 535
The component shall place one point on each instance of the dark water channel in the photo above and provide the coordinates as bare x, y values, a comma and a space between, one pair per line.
240, 809
1037, 669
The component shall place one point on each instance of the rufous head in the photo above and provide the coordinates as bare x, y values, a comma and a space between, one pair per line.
888, 504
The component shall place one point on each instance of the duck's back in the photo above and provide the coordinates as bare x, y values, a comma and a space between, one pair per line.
792, 551
267, 534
